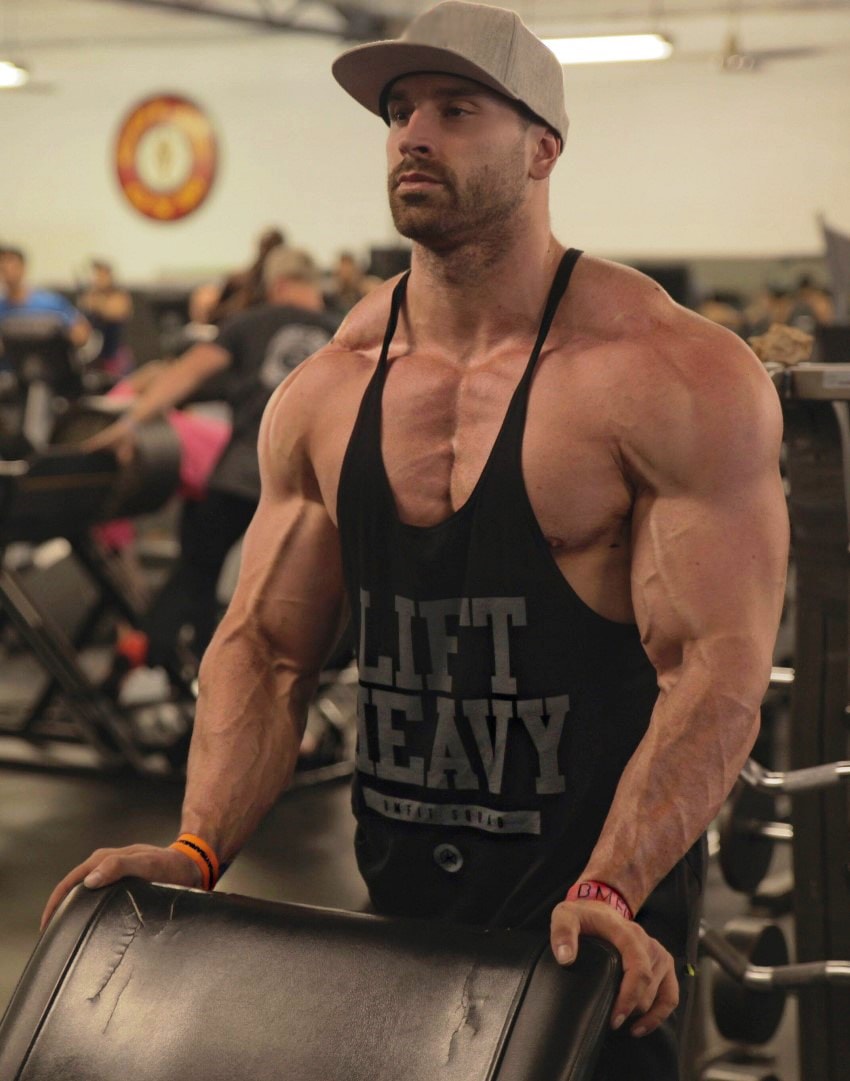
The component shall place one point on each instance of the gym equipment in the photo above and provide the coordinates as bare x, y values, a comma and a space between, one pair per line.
47, 372
145, 982
812, 779
781, 676
154, 474
738, 1068
61, 492
747, 833
742, 1015
817, 442
757, 977
747, 836
748, 992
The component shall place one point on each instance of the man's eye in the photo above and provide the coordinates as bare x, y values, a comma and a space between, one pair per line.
456, 110
397, 115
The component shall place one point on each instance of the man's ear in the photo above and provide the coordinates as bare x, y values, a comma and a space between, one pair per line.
547, 149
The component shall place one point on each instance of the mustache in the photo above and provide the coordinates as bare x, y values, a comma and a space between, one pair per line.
431, 169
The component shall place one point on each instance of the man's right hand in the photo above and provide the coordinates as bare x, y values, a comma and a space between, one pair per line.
118, 437
107, 865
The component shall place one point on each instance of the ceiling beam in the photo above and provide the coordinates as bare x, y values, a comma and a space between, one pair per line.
660, 11
265, 14
355, 23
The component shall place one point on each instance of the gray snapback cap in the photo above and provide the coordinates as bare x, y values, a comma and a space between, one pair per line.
491, 45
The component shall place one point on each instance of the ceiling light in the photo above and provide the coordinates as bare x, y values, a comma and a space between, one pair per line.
611, 49
12, 75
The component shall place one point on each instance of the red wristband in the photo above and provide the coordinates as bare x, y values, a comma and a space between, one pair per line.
599, 891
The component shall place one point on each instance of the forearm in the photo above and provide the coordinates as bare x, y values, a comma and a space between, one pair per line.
173, 384
701, 731
250, 716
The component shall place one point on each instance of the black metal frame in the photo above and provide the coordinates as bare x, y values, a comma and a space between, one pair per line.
34, 506
818, 465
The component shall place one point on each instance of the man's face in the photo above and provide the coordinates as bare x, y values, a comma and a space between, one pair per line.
347, 270
101, 276
458, 160
11, 270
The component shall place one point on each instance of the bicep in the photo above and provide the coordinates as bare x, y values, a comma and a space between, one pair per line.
290, 585
290, 590
708, 574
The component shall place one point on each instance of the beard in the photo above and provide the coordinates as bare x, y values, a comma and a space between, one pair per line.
479, 208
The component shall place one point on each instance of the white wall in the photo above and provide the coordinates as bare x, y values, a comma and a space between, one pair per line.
685, 160
665, 160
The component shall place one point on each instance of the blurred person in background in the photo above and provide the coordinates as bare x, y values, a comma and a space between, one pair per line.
256, 349
21, 304
348, 283
725, 309
770, 305
811, 306
108, 308
245, 289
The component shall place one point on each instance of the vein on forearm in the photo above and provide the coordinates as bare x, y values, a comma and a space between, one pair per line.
701, 730
251, 709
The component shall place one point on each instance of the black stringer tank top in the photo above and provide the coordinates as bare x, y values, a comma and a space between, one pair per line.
496, 709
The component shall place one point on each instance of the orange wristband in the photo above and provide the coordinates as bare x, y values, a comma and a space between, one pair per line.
200, 853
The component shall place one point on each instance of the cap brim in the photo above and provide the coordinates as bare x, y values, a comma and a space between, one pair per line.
366, 70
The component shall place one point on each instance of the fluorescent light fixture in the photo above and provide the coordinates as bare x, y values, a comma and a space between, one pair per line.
12, 75
611, 49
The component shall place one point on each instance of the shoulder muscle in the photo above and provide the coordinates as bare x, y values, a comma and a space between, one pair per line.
306, 419
704, 410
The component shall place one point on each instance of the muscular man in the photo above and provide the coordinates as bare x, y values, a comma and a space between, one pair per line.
551, 497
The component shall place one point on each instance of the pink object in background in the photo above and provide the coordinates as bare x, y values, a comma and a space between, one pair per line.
202, 440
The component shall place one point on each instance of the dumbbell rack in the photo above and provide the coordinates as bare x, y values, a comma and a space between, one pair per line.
817, 439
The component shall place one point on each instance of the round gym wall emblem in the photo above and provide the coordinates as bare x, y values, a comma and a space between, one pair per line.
165, 157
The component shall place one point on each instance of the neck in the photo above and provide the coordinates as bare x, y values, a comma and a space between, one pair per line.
467, 300
17, 293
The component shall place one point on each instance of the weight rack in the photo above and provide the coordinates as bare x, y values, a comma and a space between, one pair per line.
817, 438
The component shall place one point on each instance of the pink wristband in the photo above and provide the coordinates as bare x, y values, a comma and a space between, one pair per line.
599, 891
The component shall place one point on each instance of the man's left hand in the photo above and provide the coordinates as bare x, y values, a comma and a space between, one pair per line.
649, 989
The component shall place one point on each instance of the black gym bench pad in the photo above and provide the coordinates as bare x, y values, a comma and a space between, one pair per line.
141, 982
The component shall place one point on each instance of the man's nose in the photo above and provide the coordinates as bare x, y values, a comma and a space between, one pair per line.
418, 135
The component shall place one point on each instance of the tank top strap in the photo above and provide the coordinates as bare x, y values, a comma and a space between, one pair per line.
398, 296
556, 293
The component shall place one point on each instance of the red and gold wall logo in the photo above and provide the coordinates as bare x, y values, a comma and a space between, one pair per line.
166, 157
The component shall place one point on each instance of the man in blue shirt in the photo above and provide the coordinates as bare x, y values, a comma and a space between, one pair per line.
21, 304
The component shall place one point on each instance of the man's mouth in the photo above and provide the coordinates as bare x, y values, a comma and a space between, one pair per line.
416, 180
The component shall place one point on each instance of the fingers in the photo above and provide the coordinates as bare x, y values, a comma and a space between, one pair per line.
564, 932
118, 438
67, 884
55, 899
666, 1000
649, 990
108, 865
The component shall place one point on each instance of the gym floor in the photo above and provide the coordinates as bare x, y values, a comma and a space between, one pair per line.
303, 853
